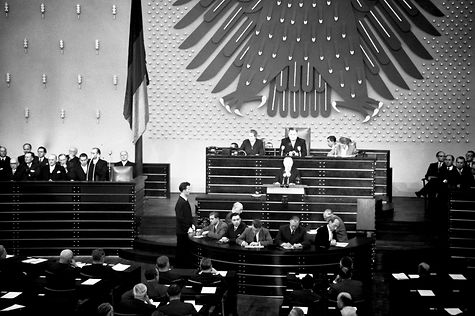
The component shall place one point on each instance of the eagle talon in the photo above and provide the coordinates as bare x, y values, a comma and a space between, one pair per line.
228, 108
367, 118
263, 101
334, 107
238, 112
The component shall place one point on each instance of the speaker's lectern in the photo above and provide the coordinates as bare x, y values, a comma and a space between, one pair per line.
293, 193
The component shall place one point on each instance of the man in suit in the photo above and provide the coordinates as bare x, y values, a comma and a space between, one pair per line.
41, 158
235, 229
98, 269
184, 224
354, 287
97, 169
256, 235
325, 236
156, 291
237, 209
292, 235
63, 162
26, 149
175, 307
206, 275
137, 301
469, 158
78, 172
166, 275
340, 233
460, 177
4, 164
433, 176
331, 142
124, 161
53, 171
62, 274
216, 228
13, 174
253, 146
305, 296
29, 170
293, 145
288, 175
72, 158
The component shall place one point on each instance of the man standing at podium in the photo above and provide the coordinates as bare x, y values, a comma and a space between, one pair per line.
288, 174
292, 235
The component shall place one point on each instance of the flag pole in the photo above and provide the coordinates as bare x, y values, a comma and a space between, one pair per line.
139, 157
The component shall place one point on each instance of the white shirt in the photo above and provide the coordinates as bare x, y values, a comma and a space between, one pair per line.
84, 168
51, 168
330, 234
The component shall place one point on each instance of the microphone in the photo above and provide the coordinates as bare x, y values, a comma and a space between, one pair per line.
282, 150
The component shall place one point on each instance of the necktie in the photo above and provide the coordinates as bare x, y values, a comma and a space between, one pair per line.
292, 231
255, 237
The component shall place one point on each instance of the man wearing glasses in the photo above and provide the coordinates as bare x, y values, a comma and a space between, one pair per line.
433, 176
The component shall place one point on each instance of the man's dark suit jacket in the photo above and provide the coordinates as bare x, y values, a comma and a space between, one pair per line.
13, 176
184, 219
354, 287
128, 163
303, 297
177, 308
58, 174
257, 149
156, 291
98, 270
167, 277
435, 171
26, 173
77, 173
5, 169
299, 236
72, 162
294, 176
129, 304
321, 238
456, 178
288, 146
61, 275
101, 172
233, 234
42, 163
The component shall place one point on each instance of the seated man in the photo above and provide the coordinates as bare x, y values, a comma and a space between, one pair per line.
325, 234
305, 296
124, 161
340, 232
98, 269
156, 291
175, 307
253, 146
136, 301
254, 236
288, 175
206, 275
354, 287
13, 174
165, 274
344, 303
331, 142
62, 274
293, 145
216, 228
345, 266
53, 171
433, 176
29, 170
460, 177
469, 158
237, 209
235, 229
292, 235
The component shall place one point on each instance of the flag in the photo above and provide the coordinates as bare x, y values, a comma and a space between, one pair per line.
136, 99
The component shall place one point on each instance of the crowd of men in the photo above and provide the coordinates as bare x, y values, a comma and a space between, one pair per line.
46, 166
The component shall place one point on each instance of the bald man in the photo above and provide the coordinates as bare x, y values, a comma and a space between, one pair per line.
53, 171
62, 274
73, 160
124, 161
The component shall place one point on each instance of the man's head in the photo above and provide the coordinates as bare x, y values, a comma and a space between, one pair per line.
236, 219
66, 256
423, 269
469, 155
52, 160
13, 163
163, 263
3, 252
105, 309
41, 151
440, 156
73, 151
331, 141
83, 159
294, 222
98, 255
124, 156
346, 263
140, 291
256, 224
213, 218
26, 148
150, 274
29, 157
3, 151
344, 140
252, 135
307, 282
292, 134
95, 153
184, 188
449, 160
63, 159
460, 162
173, 292
205, 264
288, 163
327, 214
237, 208
333, 224
344, 299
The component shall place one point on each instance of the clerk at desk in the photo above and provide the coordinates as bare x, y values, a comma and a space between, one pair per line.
288, 175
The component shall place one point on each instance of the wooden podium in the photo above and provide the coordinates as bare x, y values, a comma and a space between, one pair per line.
292, 193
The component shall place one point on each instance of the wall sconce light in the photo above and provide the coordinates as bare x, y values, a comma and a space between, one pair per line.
115, 81
79, 81
8, 79
27, 114
43, 10
7, 9
44, 79
25, 45
61, 46
62, 114
114, 11
78, 10
97, 46
98, 115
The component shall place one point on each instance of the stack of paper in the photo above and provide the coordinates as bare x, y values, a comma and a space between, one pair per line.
453, 311
10, 308
208, 290
11, 295
341, 244
426, 293
90, 281
457, 277
121, 267
222, 273
34, 260
400, 276
413, 276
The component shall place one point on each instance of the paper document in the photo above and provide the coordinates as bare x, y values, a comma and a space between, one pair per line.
222, 273
400, 276
457, 277
34, 260
341, 244
198, 236
413, 276
249, 246
302, 275
453, 311
197, 307
9, 256
81, 264
121, 267
11, 295
14, 306
90, 281
426, 293
208, 290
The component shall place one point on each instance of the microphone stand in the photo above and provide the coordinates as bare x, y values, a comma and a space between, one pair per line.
109, 166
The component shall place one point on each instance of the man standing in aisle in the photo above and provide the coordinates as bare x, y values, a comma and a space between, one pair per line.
184, 222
